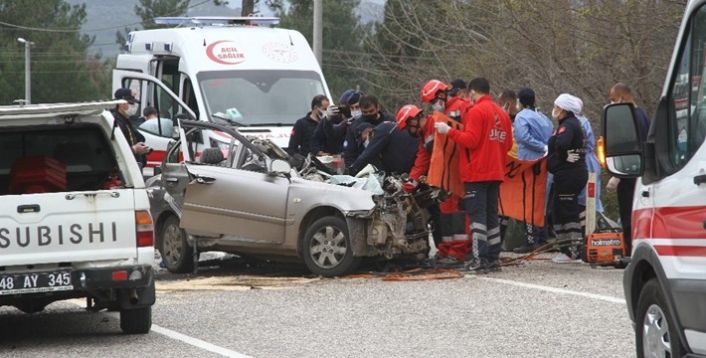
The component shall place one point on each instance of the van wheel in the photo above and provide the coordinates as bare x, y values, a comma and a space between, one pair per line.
136, 321
655, 330
327, 248
176, 253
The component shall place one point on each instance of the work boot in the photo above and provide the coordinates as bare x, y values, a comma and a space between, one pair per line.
477, 266
524, 249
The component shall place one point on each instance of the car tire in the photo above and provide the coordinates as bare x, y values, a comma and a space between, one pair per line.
327, 248
176, 253
136, 321
655, 331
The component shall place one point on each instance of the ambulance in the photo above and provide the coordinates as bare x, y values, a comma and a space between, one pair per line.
240, 70
665, 282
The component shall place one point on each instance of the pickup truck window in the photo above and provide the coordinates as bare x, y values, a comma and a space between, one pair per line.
688, 126
55, 159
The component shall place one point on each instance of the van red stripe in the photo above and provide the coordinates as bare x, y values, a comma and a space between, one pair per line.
669, 223
664, 250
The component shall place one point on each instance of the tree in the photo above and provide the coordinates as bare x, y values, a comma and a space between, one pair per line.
61, 71
342, 36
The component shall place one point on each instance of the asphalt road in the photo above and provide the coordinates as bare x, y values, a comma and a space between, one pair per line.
538, 309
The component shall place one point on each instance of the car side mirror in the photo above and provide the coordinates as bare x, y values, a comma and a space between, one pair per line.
279, 167
623, 146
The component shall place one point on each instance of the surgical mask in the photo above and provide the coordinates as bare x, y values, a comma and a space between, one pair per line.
438, 106
555, 113
131, 110
365, 144
356, 113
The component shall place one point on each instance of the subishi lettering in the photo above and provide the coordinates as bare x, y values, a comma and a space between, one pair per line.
65, 234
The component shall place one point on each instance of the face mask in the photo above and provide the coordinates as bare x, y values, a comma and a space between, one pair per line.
356, 113
131, 110
370, 117
365, 144
555, 114
438, 106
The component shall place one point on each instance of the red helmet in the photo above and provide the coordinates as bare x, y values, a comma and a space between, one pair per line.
405, 113
430, 90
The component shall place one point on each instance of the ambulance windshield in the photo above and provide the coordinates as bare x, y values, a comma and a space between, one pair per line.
260, 97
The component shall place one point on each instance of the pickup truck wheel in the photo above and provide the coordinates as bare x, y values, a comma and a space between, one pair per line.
327, 248
31, 307
655, 330
136, 321
176, 253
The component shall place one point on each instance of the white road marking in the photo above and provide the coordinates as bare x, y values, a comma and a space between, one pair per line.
197, 342
561, 291
177, 336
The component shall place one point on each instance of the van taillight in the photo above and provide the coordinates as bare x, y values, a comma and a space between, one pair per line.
144, 228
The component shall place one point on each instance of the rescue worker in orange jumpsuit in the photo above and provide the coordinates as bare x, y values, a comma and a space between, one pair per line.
450, 222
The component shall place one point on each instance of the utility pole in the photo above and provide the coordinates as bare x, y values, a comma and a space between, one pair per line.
318, 29
28, 70
247, 8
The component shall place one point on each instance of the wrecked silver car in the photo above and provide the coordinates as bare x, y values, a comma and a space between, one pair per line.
245, 198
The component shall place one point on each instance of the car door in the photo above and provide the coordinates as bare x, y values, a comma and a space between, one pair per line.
241, 204
152, 92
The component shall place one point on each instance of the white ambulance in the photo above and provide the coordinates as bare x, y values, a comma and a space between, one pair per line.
220, 69
665, 283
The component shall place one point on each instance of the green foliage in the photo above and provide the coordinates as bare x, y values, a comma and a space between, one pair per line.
61, 71
342, 36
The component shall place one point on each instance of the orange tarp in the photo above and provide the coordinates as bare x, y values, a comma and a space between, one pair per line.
443, 167
523, 191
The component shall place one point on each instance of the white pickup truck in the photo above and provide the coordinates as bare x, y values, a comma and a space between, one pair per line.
74, 214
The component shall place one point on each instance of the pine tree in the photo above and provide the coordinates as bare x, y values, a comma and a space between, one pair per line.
61, 70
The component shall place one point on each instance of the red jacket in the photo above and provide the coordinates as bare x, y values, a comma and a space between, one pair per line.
421, 162
486, 138
455, 108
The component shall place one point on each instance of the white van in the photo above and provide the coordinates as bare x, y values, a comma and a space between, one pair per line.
260, 78
665, 283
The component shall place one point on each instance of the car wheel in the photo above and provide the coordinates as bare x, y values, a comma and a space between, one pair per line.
176, 253
136, 321
655, 330
327, 248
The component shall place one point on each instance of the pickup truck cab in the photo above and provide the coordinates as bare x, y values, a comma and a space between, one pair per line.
665, 282
74, 214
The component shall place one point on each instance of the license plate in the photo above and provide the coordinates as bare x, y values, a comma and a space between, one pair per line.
34, 282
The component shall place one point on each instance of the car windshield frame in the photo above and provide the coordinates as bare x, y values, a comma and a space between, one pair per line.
285, 119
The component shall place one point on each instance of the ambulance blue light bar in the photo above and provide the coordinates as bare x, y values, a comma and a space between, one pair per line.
216, 20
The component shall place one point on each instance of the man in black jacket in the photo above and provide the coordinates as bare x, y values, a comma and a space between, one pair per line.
393, 146
300, 141
123, 114
370, 113
331, 132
